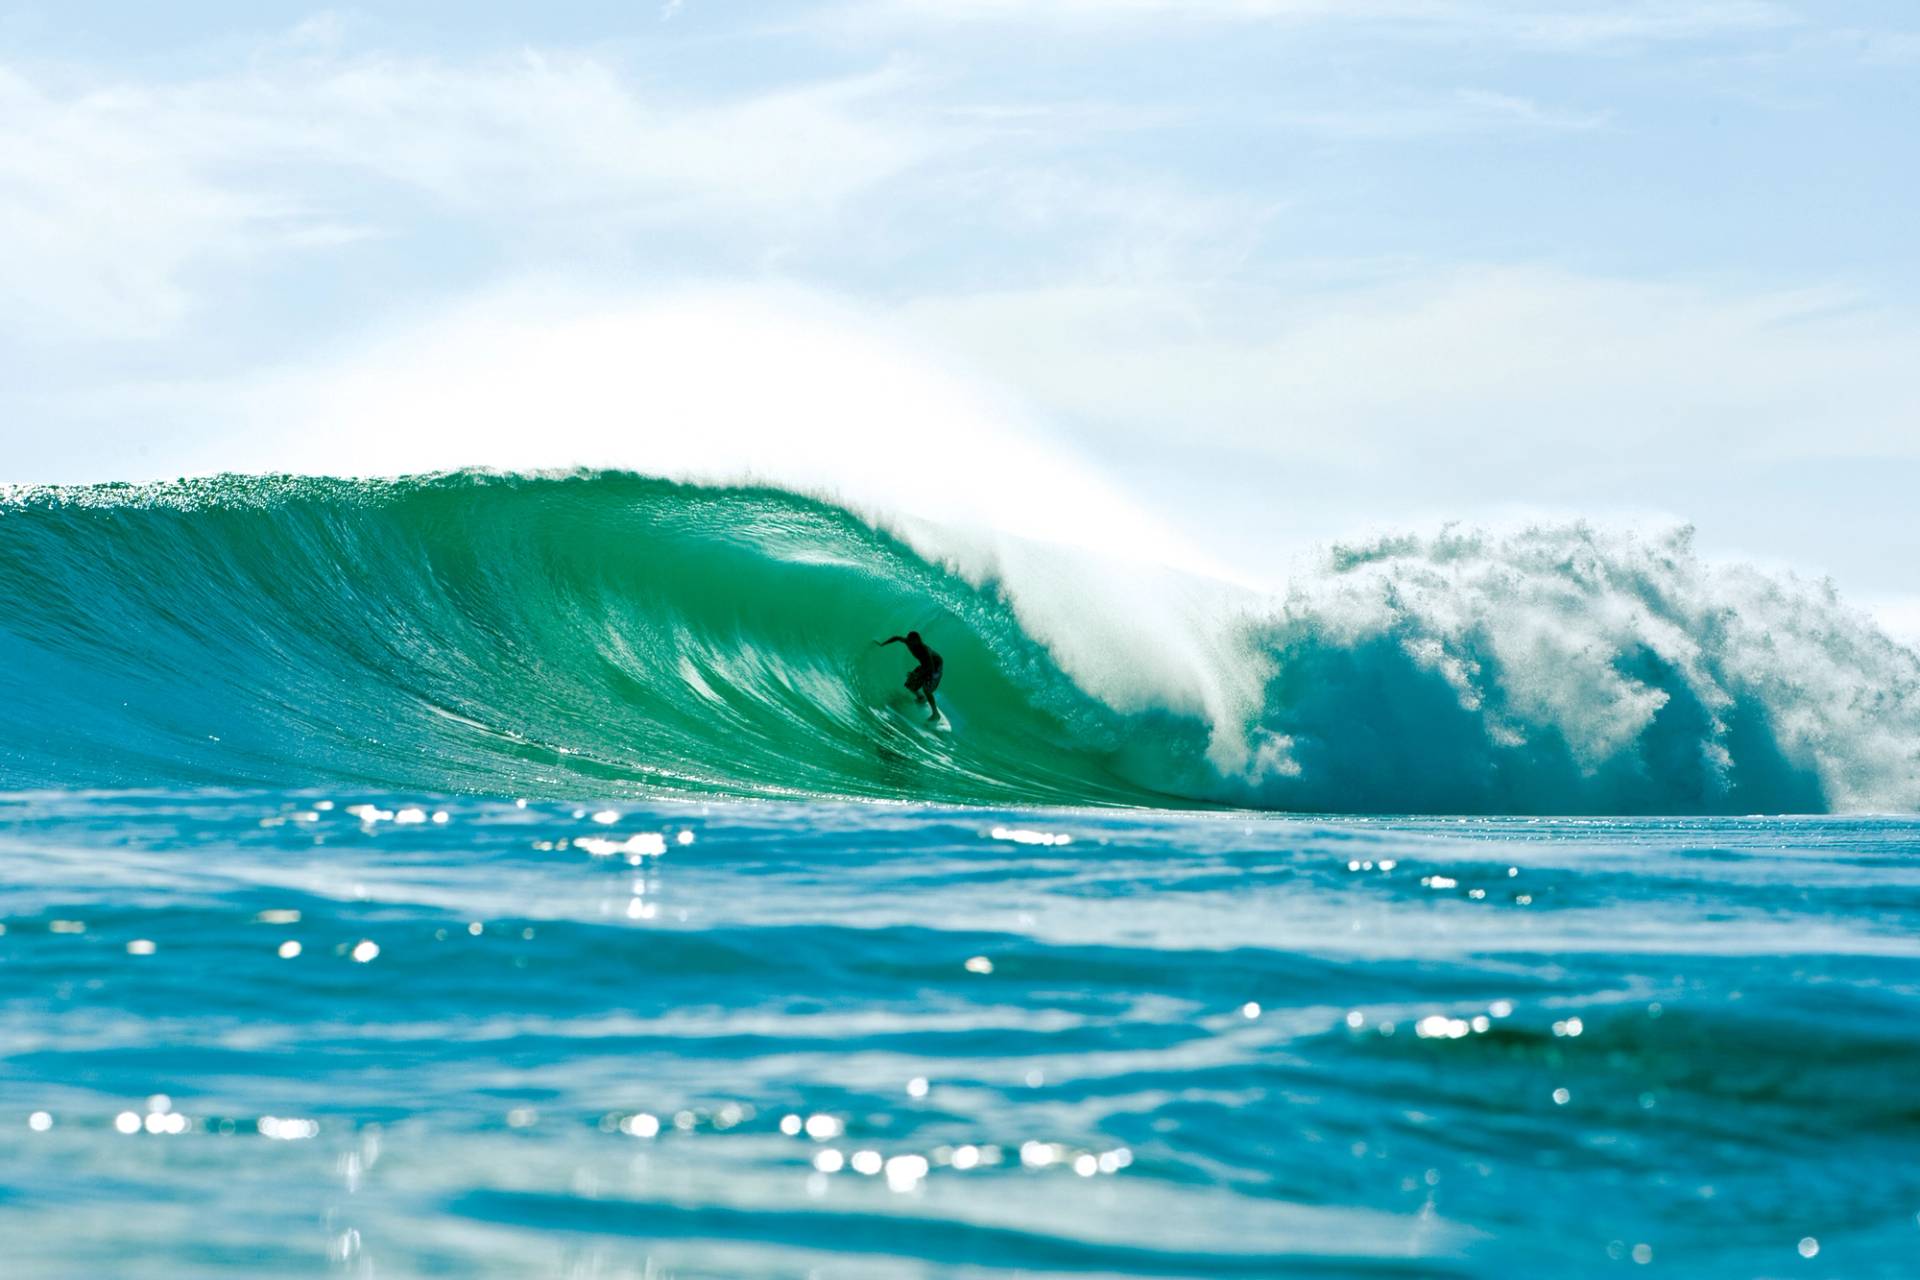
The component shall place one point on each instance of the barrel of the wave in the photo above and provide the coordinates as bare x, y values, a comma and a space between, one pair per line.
505, 634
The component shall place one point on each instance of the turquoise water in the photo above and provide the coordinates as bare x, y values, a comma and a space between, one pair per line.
546, 876
607, 634
505, 1049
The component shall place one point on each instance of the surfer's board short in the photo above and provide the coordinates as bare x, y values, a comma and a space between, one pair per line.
923, 679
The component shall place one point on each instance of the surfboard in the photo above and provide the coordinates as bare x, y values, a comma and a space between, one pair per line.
912, 713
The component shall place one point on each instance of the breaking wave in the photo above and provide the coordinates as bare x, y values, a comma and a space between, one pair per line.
605, 632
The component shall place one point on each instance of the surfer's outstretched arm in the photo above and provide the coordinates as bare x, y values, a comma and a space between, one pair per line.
891, 640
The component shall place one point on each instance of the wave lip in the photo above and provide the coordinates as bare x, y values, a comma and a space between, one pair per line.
601, 632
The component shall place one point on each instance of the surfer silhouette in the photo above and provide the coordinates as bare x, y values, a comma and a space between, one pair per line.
925, 678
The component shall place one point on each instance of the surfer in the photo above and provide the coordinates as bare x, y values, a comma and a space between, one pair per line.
925, 678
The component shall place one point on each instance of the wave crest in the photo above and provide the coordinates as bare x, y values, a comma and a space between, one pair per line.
600, 632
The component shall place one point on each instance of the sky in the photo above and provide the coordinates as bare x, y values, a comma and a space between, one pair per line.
1279, 271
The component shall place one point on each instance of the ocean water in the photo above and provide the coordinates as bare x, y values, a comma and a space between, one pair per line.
546, 876
827, 1039
605, 633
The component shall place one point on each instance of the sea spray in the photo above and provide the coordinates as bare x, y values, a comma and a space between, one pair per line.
1572, 669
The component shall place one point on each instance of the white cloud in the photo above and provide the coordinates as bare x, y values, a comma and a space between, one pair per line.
1569, 24
1120, 10
1459, 369
1463, 111
113, 193
1878, 48
1605, 25
555, 132
101, 212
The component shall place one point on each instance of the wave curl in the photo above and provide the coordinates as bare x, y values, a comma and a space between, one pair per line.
604, 632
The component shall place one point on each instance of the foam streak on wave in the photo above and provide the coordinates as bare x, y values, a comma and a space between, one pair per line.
605, 632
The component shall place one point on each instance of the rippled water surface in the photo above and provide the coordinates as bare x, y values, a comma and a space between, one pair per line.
394, 1035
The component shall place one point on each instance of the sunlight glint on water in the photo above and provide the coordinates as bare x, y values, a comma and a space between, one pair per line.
870, 1041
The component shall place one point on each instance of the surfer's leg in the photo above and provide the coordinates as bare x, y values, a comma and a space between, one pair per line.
928, 695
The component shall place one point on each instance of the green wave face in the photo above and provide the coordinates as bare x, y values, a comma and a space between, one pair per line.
608, 634
513, 635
